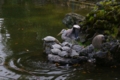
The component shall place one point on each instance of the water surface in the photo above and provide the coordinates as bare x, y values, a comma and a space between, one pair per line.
23, 24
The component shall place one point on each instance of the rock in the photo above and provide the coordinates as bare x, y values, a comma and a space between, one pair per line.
55, 51
56, 46
74, 54
72, 18
103, 19
77, 48
98, 40
47, 50
87, 50
100, 54
65, 48
63, 54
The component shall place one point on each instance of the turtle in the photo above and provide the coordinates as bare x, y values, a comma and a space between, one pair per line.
49, 41
50, 38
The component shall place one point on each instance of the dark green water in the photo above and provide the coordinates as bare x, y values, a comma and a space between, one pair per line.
23, 24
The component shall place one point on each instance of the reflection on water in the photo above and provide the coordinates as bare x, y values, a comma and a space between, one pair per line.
4, 73
29, 63
25, 63
2, 46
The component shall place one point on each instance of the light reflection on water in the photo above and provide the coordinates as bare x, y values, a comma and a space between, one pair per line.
4, 73
2, 53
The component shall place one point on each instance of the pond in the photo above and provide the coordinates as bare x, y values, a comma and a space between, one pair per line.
23, 24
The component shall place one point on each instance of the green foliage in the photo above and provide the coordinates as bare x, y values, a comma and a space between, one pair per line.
105, 16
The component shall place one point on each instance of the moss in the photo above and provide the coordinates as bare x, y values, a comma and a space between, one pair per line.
104, 19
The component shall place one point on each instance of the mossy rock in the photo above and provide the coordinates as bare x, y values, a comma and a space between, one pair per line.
101, 24
72, 18
104, 18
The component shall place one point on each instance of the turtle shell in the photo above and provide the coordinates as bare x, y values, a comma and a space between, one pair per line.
49, 38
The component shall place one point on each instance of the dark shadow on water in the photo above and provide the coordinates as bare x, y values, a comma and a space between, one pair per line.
31, 63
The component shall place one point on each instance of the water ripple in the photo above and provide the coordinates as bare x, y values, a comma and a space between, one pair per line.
31, 63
